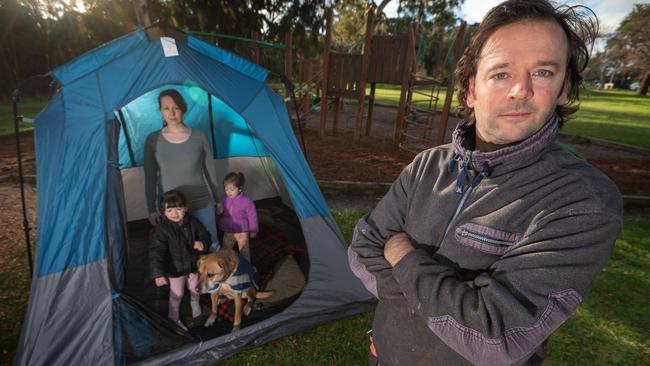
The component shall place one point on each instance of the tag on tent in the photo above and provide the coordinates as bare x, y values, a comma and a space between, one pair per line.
169, 46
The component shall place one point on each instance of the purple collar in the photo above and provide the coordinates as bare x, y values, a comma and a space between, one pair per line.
521, 151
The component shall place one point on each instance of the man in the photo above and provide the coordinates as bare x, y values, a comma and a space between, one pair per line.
483, 247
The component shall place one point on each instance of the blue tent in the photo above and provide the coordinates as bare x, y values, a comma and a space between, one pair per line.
89, 142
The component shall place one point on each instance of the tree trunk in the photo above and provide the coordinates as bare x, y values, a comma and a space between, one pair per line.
645, 83
142, 13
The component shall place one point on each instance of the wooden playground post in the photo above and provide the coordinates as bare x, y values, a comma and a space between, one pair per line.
457, 49
371, 104
406, 78
337, 109
255, 49
326, 55
364, 73
288, 58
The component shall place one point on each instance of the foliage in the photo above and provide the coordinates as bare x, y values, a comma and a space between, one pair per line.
272, 18
434, 11
42, 35
631, 43
435, 23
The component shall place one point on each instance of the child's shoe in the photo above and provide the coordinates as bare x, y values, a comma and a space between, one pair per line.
196, 309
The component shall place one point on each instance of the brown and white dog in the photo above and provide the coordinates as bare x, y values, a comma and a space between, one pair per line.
226, 273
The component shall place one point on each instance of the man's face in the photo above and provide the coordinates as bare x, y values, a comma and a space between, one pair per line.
520, 79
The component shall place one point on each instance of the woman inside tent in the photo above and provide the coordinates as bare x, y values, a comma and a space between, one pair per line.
179, 157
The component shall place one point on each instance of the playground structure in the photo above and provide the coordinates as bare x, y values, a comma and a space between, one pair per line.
386, 60
390, 60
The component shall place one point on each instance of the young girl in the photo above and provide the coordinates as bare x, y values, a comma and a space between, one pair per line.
175, 247
238, 217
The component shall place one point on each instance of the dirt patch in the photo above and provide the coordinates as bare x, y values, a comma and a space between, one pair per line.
12, 235
338, 157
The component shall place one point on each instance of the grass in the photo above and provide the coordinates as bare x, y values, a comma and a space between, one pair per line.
618, 116
610, 328
28, 108
14, 290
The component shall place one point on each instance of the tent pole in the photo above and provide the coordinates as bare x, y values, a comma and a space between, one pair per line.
126, 137
15, 97
290, 88
214, 142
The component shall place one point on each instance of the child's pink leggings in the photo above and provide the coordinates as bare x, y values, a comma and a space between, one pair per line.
177, 289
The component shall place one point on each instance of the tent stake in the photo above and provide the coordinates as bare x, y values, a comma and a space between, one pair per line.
15, 97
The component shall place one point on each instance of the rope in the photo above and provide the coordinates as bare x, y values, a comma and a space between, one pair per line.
235, 38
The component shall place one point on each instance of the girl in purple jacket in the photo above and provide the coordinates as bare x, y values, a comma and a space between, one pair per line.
238, 216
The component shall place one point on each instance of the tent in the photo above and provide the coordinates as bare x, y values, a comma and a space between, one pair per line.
89, 138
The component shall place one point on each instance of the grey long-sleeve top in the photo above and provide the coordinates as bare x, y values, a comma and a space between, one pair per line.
499, 265
186, 167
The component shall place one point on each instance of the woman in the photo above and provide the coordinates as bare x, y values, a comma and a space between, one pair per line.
178, 157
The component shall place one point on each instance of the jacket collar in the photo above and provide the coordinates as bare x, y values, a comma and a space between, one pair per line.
518, 154
170, 223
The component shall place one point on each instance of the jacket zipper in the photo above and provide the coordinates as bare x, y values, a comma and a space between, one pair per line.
485, 239
459, 208
460, 184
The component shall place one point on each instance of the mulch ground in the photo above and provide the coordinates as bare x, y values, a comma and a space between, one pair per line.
373, 159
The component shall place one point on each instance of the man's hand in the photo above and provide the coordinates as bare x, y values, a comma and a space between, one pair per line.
161, 281
198, 246
219, 209
396, 248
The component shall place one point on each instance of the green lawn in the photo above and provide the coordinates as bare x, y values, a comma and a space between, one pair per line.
618, 116
28, 108
611, 327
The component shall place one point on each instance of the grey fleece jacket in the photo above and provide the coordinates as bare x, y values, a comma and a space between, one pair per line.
507, 245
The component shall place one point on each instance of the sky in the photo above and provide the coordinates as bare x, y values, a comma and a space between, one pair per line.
609, 12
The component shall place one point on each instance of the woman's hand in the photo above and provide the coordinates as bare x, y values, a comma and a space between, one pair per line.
154, 219
161, 281
199, 246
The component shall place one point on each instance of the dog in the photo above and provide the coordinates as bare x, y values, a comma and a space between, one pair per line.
225, 273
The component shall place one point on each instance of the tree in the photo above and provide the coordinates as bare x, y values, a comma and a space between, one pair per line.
435, 20
271, 18
632, 42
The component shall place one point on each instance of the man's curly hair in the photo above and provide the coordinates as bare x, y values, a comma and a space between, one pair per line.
578, 22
